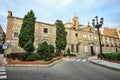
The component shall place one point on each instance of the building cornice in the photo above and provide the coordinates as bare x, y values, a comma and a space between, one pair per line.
14, 17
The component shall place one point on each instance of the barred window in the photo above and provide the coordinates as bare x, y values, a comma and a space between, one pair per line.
45, 30
15, 34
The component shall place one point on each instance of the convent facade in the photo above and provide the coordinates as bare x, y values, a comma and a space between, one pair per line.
82, 40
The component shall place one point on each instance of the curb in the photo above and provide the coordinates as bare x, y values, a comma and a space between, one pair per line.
113, 68
33, 65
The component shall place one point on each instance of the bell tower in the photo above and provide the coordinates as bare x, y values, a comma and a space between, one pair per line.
75, 22
9, 26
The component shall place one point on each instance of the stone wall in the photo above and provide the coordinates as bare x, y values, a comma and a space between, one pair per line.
110, 49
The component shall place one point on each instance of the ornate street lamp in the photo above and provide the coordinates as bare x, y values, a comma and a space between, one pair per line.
98, 25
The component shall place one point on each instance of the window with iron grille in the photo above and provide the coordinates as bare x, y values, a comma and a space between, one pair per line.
45, 30
15, 34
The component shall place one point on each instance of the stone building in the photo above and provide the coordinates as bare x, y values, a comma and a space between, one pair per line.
2, 39
2, 35
81, 39
43, 32
118, 31
110, 40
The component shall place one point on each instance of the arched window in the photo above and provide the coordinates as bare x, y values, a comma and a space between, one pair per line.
15, 34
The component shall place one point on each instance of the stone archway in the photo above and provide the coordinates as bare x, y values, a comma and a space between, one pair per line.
44, 40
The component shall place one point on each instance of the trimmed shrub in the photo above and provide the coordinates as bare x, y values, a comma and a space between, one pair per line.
65, 54
13, 56
43, 48
33, 57
48, 57
68, 53
113, 56
72, 55
20, 56
45, 51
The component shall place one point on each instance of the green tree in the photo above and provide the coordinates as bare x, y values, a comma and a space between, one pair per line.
29, 47
60, 35
44, 52
43, 48
27, 29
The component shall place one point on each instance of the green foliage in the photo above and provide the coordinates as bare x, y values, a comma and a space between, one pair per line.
27, 29
69, 55
43, 48
44, 51
72, 55
29, 47
60, 35
48, 58
113, 56
68, 51
33, 57
51, 48
23, 56
13, 56
20, 56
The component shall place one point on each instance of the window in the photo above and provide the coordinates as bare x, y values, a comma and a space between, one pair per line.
102, 45
15, 34
77, 48
76, 34
45, 30
72, 48
111, 45
107, 45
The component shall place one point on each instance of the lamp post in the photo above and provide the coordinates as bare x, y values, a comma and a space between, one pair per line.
98, 25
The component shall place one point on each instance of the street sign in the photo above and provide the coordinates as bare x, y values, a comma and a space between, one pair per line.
5, 46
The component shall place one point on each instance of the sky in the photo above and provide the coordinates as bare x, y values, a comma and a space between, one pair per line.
50, 10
